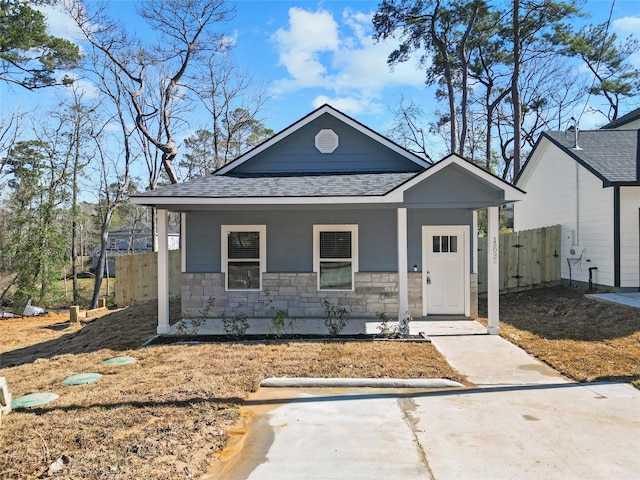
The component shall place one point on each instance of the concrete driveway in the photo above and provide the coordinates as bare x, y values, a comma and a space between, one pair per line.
522, 421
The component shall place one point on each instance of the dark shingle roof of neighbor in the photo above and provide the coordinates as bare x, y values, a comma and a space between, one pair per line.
229, 186
610, 154
623, 120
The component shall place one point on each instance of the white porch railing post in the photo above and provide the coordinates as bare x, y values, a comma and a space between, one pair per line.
403, 278
493, 271
163, 272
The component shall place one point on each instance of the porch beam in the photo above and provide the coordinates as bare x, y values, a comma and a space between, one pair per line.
403, 277
493, 271
163, 271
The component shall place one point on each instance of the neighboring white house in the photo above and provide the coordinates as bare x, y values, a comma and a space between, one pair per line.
592, 188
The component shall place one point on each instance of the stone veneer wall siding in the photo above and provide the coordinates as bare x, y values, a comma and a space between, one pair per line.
297, 294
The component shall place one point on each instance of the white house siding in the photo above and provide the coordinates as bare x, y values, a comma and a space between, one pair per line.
555, 186
629, 237
633, 125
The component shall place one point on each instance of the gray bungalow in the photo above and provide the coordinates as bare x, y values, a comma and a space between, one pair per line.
328, 208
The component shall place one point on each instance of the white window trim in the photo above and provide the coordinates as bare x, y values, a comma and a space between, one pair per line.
225, 229
353, 228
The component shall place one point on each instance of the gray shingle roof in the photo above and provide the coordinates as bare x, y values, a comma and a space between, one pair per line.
628, 118
610, 154
229, 186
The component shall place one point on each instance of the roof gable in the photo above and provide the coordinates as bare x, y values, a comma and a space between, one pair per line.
610, 155
293, 151
454, 180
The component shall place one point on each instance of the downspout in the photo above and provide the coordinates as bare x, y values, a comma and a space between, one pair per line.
616, 236
577, 239
638, 179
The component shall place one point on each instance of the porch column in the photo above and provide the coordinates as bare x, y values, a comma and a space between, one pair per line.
493, 271
163, 272
403, 278
183, 242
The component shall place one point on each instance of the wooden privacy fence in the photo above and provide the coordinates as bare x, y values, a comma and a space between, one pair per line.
137, 277
527, 258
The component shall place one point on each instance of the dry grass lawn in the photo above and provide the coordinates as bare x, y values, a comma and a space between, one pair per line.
164, 416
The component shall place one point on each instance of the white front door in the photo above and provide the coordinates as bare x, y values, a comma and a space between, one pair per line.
445, 279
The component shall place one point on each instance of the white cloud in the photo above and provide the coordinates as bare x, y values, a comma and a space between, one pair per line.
350, 105
86, 88
342, 59
59, 24
300, 47
627, 25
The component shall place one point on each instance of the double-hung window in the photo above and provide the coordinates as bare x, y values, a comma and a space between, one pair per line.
335, 256
244, 256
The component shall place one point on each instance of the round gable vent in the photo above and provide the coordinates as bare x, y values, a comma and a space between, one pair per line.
326, 140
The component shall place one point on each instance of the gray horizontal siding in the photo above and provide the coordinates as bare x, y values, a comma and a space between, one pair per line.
356, 153
454, 185
290, 236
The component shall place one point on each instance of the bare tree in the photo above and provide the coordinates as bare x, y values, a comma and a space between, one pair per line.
114, 175
78, 117
9, 131
233, 100
442, 31
408, 129
185, 36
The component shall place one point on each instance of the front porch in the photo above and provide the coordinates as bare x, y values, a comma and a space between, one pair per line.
397, 295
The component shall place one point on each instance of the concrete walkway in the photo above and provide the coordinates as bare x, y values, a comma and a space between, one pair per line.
630, 299
521, 421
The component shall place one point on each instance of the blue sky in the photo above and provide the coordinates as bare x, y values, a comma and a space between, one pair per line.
311, 52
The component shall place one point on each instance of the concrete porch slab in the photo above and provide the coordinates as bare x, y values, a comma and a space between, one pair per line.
631, 299
355, 326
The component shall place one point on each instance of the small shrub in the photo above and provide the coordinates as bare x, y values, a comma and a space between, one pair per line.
280, 325
235, 327
396, 330
335, 317
403, 326
192, 326
387, 330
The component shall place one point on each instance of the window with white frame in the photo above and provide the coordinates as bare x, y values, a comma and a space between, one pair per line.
244, 256
335, 256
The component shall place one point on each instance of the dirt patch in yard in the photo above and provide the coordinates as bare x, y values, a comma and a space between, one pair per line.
163, 417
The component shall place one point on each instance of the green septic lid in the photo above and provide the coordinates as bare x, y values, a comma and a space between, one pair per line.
119, 361
81, 378
33, 400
